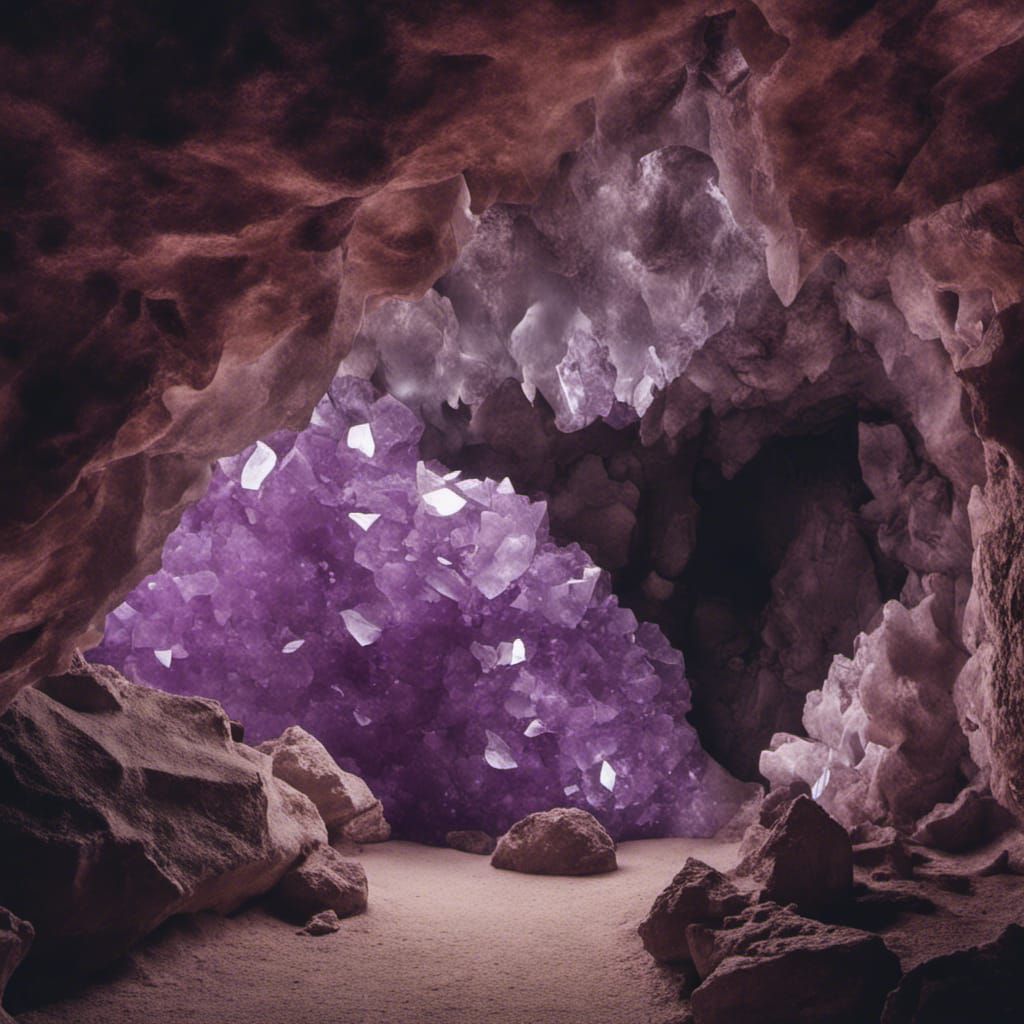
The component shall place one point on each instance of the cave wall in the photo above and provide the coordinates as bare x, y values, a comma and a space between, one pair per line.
201, 204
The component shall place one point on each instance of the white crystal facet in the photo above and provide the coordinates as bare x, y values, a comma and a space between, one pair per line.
363, 631
607, 776
444, 502
258, 466
292, 646
498, 753
360, 437
364, 520
164, 657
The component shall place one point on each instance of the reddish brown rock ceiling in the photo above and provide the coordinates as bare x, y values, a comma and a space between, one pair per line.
198, 202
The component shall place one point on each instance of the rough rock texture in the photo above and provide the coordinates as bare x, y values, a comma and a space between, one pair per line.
112, 821
326, 922
971, 820
190, 242
981, 983
471, 841
806, 859
770, 966
368, 827
323, 880
427, 629
342, 799
562, 841
15, 940
697, 895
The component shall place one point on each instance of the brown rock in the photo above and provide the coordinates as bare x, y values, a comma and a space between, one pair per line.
325, 923
85, 687
806, 859
970, 821
562, 841
15, 939
882, 849
471, 841
777, 802
697, 894
341, 797
112, 822
982, 983
369, 826
325, 880
768, 965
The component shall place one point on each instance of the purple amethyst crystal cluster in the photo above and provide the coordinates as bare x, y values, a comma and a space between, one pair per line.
425, 627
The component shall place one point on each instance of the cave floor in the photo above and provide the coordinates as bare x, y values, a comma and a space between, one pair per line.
450, 940
447, 939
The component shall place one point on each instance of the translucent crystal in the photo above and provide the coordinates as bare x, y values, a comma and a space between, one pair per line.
468, 667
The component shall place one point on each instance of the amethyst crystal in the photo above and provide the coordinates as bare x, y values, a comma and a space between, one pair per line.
425, 627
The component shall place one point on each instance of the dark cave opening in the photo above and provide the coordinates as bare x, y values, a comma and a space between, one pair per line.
760, 579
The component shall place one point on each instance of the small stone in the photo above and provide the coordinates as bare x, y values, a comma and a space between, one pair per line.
471, 841
325, 923
324, 880
697, 894
562, 841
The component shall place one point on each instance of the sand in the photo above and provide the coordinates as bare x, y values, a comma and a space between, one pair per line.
447, 940
450, 940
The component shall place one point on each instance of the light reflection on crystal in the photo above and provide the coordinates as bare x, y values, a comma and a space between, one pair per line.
258, 466
469, 668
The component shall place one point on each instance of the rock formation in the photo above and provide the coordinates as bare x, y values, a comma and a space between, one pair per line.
121, 812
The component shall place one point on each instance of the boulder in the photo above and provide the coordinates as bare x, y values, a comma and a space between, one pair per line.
806, 859
768, 965
114, 819
325, 880
344, 801
978, 984
970, 821
562, 841
326, 922
471, 841
697, 894
15, 939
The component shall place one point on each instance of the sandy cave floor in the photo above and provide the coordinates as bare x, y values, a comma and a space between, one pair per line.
450, 940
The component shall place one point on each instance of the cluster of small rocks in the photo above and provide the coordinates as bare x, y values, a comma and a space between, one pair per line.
785, 937
122, 806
